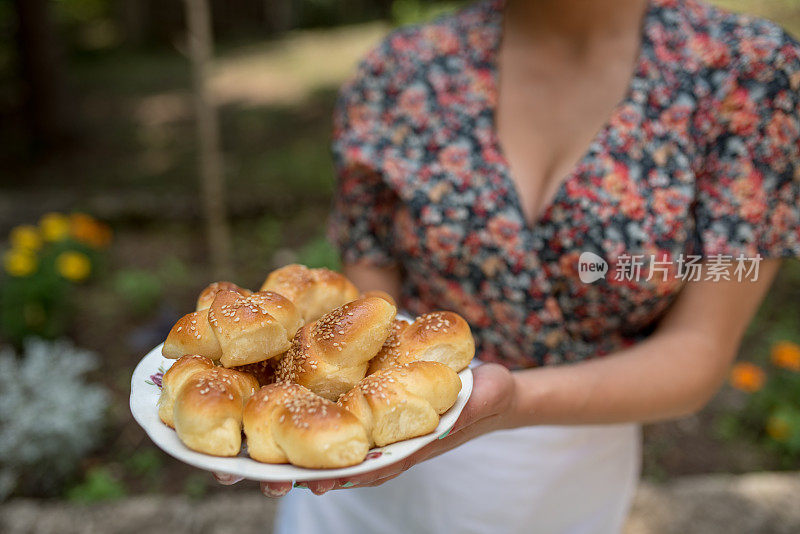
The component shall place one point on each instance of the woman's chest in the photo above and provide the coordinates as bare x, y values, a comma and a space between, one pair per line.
549, 111
462, 223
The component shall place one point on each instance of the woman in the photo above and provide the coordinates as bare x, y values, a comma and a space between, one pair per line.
479, 157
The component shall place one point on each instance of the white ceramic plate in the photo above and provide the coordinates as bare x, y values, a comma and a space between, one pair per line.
145, 390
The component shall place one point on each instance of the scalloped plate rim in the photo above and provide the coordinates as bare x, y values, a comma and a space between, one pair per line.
144, 396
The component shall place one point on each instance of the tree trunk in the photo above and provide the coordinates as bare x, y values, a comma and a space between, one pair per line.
43, 75
198, 19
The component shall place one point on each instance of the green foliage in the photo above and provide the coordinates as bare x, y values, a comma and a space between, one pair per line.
34, 305
308, 162
321, 13
139, 290
98, 485
81, 11
87, 24
195, 486
319, 253
728, 427
775, 410
269, 232
417, 11
172, 271
146, 463
41, 267
770, 415
50, 415
786, 418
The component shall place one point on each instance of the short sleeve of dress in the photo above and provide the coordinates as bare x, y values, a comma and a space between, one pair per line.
748, 193
361, 220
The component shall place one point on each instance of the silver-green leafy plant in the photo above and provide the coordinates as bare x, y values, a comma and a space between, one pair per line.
50, 416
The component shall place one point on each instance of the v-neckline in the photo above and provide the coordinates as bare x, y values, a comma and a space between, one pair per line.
536, 221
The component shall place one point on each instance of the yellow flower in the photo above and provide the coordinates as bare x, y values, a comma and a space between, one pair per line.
25, 237
747, 377
778, 428
74, 266
19, 262
87, 230
54, 226
786, 355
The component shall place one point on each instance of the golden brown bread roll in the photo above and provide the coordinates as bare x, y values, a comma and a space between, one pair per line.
381, 294
441, 336
252, 329
208, 410
192, 334
314, 292
287, 422
404, 401
281, 309
236, 330
175, 377
387, 356
207, 295
330, 356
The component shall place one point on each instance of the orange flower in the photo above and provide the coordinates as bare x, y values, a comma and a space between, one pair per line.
87, 230
786, 355
747, 377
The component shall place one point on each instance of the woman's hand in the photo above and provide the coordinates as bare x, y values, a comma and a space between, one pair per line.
490, 407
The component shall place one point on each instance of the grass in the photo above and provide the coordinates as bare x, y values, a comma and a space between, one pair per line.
99, 485
778, 317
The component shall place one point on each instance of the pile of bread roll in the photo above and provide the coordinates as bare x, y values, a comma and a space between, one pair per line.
314, 372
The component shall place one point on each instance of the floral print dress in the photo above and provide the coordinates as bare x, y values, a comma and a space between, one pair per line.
701, 157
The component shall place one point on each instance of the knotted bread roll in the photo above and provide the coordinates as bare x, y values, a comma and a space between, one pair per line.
192, 334
404, 401
208, 410
330, 355
207, 295
175, 377
387, 356
286, 422
314, 292
236, 329
252, 329
378, 293
441, 336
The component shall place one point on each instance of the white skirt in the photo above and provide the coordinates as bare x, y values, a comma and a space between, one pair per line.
543, 479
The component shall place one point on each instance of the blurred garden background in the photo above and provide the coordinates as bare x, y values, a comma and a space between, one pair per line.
104, 242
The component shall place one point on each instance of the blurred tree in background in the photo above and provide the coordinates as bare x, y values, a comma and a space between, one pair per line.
46, 33
42, 73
